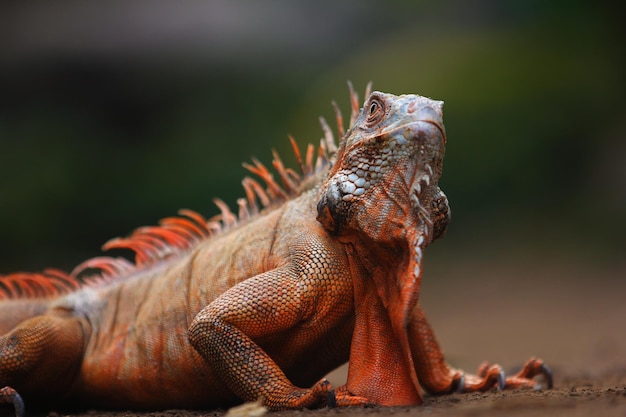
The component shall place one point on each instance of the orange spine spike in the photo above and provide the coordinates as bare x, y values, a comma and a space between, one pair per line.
60, 276
159, 249
107, 265
143, 251
289, 185
296, 152
167, 235
243, 215
50, 282
214, 226
329, 139
228, 217
294, 176
321, 156
259, 191
309, 160
197, 217
354, 102
273, 188
158, 244
339, 118
187, 224
250, 195
62, 281
188, 237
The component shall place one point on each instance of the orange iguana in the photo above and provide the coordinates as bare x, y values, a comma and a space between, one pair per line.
264, 303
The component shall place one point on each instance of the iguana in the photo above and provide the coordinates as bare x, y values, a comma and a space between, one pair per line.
262, 304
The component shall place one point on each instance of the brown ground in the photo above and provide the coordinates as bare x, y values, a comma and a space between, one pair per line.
570, 314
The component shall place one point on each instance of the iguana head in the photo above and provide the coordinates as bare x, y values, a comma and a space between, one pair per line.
382, 197
384, 181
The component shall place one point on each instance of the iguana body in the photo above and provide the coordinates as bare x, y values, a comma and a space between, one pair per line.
263, 303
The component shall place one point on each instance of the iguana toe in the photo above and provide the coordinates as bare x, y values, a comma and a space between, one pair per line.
341, 397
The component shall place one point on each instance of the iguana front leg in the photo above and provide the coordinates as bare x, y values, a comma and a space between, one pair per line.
436, 376
224, 333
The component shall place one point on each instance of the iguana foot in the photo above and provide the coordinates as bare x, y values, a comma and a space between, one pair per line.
490, 376
302, 398
525, 377
9, 396
341, 397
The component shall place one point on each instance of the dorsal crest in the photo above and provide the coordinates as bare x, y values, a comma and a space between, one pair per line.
176, 235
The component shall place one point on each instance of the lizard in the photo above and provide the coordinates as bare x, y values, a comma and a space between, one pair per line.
263, 303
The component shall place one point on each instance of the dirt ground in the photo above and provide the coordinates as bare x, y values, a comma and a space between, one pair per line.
571, 314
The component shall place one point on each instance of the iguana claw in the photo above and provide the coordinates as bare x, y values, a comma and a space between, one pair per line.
501, 380
486, 369
547, 374
460, 385
535, 367
487, 377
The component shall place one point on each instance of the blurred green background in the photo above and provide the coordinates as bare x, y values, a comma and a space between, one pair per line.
115, 114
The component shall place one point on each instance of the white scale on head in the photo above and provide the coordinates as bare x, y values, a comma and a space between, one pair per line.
364, 171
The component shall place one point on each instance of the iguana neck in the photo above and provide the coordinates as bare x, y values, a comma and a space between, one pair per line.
377, 341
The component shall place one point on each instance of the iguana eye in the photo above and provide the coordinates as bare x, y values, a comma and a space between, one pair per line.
375, 111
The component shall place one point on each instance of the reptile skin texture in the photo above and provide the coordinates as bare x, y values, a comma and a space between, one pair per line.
315, 269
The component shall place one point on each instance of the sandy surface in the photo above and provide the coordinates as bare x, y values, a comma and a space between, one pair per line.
571, 315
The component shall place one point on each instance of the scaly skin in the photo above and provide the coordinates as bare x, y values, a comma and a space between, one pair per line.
268, 305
